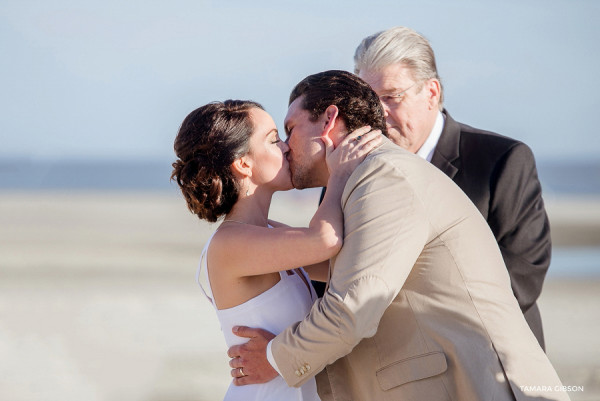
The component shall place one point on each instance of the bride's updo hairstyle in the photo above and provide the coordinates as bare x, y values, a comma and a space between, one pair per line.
209, 140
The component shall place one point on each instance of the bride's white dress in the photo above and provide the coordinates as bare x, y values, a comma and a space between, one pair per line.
285, 303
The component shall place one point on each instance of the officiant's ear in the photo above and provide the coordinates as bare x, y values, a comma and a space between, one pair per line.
330, 119
242, 167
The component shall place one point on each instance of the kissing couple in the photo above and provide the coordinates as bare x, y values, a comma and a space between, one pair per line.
418, 304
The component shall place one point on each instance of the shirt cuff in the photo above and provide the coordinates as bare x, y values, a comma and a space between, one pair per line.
271, 359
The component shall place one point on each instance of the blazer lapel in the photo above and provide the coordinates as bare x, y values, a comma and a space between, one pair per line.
447, 151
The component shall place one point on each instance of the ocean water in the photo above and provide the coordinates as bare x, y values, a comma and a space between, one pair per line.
557, 178
576, 263
570, 177
85, 175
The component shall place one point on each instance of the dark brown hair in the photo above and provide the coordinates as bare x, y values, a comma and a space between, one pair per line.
209, 140
357, 103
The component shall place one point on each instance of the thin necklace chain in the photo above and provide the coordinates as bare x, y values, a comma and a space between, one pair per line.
241, 222
236, 221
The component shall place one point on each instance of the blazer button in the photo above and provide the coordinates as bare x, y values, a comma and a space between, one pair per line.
298, 373
307, 367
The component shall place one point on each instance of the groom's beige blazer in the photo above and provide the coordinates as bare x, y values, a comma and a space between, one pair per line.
419, 304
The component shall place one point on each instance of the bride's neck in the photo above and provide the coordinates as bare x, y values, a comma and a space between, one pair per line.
251, 209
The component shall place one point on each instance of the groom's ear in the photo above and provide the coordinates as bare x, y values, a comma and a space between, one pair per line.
242, 167
330, 117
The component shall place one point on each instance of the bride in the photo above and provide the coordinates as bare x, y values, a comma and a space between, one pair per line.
230, 162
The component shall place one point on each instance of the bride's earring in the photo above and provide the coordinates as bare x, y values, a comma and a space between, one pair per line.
247, 189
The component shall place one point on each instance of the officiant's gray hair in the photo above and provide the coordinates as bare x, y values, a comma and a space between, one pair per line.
398, 45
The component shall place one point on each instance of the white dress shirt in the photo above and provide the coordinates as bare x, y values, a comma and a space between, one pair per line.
271, 359
426, 151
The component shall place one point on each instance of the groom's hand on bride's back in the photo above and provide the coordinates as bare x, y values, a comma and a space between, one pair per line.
249, 360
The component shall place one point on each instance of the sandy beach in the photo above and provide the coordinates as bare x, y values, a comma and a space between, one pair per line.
98, 299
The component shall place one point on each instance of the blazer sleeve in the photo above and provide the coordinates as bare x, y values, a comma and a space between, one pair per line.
385, 230
520, 224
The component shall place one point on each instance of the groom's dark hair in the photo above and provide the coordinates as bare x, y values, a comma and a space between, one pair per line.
357, 102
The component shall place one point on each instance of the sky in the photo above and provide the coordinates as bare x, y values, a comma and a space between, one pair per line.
113, 80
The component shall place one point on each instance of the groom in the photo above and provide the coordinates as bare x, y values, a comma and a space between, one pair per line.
419, 304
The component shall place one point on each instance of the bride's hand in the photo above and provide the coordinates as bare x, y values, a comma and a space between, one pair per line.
351, 151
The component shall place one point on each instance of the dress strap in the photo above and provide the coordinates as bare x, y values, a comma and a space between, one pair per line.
203, 268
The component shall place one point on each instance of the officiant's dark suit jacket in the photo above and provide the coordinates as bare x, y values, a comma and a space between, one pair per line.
499, 175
